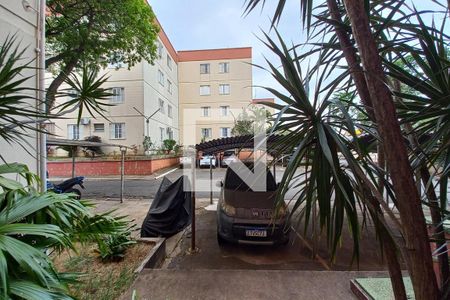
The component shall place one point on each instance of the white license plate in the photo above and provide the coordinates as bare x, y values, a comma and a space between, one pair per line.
256, 233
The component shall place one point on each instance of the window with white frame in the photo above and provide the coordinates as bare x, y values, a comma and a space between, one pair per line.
169, 86
206, 132
224, 110
225, 132
169, 111
204, 68
73, 132
169, 62
205, 90
224, 89
161, 106
161, 77
160, 49
224, 67
99, 127
118, 95
161, 134
117, 131
206, 111
169, 133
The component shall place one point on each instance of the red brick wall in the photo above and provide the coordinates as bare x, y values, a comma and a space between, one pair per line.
109, 167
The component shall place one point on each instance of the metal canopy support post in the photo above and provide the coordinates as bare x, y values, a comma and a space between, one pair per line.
210, 181
122, 172
193, 166
73, 160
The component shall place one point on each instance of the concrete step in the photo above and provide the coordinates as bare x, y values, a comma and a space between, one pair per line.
244, 284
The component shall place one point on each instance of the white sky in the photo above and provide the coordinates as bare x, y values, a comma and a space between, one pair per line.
207, 24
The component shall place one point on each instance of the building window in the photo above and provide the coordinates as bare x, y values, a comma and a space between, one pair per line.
206, 111
169, 111
224, 111
206, 132
99, 127
169, 86
117, 131
169, 62
118, 95
225, 131
49, 127
204, 68
161, 77
160, 49
73, 132
205, 90
169, 133
224, 89
161, 133
224, 67
161, 106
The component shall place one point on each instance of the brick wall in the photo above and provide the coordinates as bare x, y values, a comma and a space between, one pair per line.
109, 167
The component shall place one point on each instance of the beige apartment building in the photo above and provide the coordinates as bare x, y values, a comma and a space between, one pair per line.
197, 95
139, 92
215, 85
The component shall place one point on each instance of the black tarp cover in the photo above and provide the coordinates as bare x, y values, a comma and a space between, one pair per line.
170, 211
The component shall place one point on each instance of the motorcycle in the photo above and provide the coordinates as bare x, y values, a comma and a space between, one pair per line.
67, 186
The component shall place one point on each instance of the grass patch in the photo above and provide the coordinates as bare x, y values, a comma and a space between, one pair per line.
101, 280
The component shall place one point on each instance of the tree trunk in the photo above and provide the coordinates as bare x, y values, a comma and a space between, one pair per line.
414, 228
357, 74
56, 83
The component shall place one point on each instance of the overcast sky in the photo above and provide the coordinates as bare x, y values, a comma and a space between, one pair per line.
207, 24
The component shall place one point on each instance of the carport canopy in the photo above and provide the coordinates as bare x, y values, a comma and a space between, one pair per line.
238, 142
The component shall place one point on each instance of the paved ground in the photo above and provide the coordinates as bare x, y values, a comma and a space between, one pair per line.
244, 284
145, 187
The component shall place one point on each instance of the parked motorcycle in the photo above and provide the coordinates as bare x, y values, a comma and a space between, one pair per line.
67, 186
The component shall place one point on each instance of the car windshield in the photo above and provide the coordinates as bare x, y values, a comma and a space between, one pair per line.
234, 182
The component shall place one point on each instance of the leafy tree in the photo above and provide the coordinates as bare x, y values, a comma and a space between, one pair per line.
93, 150
147, 143
252, 119
96, 32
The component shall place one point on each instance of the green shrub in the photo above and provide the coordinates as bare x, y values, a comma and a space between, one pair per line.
112, 247
169, 145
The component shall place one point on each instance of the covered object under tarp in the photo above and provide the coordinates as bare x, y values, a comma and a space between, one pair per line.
170, 211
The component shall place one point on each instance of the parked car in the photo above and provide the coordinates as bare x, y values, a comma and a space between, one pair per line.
206, 160
227, 158
248, 217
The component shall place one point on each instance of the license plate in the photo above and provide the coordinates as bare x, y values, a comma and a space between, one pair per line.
256, 233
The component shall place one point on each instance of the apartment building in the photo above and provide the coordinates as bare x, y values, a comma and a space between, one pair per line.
139, 92
191, 95
215, 85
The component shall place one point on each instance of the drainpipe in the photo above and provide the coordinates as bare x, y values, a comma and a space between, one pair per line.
42, 104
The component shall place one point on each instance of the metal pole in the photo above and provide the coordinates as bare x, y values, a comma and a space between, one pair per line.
210, 181
41, 88
193, 248
73, 161
122, 172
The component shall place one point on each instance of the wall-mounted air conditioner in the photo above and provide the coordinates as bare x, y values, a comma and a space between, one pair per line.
84, 121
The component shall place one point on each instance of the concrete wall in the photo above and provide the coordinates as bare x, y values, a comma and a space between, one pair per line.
14, 19
109, 167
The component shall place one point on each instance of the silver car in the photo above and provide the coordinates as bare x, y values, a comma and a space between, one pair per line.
248, 217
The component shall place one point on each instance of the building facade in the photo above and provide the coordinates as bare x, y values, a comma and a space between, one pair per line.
215, 85
190, 95
22, 21
142, 91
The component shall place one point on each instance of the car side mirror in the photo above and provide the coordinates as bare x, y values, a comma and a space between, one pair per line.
219, 183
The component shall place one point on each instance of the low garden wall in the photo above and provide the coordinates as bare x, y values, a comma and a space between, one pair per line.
109, 167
